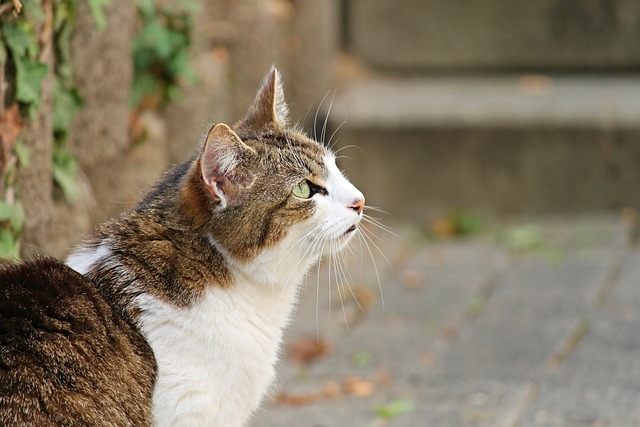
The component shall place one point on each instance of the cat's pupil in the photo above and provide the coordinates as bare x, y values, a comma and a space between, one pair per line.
317, 189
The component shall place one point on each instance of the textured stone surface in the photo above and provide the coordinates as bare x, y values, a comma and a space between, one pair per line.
103, 72
503, 145
309, 47
494, 34
36, 184
473, 334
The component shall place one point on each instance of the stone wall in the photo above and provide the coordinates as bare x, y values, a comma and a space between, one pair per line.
421, 35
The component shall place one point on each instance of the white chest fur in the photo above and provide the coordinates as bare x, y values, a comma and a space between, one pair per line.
215, 358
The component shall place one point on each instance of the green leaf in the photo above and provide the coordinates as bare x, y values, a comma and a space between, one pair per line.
9, 247
12, 213
20, 38
65, 171
522, 238
147, 8
96, 7
144, 84
67, 102
6, 210
393, 409
22, 153
29, 76
362, 359
67, 180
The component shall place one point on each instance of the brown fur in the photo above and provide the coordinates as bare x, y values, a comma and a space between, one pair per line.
70, 353
165, 243
67, 357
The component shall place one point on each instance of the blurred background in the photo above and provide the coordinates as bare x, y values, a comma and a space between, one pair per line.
490, 108
501, 138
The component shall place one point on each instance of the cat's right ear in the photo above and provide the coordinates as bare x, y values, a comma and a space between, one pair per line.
268, 109
220, 169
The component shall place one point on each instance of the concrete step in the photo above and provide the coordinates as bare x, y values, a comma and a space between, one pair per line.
495, 34
500, 144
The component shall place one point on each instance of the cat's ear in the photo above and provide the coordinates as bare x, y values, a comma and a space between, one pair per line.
268, 109
220, 165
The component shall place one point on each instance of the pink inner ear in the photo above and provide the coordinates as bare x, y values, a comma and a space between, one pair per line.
219, 164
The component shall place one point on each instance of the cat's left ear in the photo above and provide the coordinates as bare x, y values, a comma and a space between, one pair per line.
221, 165
268, 109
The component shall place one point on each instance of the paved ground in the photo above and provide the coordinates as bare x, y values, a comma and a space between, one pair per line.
539, 327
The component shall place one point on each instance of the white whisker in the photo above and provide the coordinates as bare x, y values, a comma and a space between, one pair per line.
375, 266
315, 118
334, 133
326, 120
374, 208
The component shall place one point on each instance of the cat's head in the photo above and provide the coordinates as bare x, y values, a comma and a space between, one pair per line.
265, 185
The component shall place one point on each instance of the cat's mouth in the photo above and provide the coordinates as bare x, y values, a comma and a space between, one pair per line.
350, 229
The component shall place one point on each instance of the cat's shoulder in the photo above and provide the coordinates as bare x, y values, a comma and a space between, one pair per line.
65, 349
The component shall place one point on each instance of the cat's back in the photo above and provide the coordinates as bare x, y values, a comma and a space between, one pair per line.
66, 356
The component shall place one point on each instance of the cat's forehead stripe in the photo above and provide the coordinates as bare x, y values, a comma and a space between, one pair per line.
302, 149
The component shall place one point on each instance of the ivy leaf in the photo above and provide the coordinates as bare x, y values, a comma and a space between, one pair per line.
9, 247
29, 76
146, 8
20, 38
12, 213
96, 7
22, 153
393, 409
144, 84
67, 102
65, 171
5, 210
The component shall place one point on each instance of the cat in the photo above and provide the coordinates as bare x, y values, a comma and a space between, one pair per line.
172, 313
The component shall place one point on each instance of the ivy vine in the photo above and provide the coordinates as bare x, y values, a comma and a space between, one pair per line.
161, 64
25, 23
161, 53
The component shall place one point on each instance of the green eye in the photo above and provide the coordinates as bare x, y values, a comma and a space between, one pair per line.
302, 190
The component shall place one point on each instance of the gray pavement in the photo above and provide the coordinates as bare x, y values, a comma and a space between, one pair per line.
473, 332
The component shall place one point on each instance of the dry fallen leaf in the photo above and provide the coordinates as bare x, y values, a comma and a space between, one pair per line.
536, 85
443, 227
332, 389
360, 387
449, 333
383, 377
298, 399
412, 279
305, 350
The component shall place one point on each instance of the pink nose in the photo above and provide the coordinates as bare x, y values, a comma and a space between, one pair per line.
358, 206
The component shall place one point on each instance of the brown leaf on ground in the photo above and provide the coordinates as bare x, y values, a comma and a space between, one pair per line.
351, 386
443, 227
305, 350
412, 279
332, 390
300, 399
429, 358
536, 85
356, 386
449, 333
383, 377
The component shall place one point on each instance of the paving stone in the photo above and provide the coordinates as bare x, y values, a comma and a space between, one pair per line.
599, 383
488, 365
